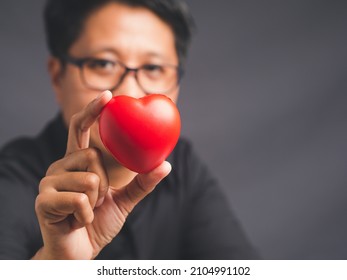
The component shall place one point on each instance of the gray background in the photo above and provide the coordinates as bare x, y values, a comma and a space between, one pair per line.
264, 101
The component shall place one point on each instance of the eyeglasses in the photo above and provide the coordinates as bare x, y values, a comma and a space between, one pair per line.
102, 74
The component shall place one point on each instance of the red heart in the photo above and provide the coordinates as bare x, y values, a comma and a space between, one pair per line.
140, 133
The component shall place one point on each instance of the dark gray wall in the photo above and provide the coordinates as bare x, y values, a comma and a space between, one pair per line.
264, 100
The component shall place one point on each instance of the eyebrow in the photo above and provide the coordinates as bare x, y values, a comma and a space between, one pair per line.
151, 54
110, 50
154, 54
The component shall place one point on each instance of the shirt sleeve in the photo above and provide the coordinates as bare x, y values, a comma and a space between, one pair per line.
211, 230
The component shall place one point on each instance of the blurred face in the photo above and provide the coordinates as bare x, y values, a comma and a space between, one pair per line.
133, 36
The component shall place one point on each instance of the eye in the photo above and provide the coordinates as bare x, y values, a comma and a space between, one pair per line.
153, 71
152, 67
101, 64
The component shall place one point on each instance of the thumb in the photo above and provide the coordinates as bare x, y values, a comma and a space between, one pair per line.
129, 196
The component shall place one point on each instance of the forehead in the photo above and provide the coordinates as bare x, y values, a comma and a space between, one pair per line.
129, 31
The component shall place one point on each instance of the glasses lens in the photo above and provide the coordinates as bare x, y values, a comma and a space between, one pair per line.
157, 78
102, 74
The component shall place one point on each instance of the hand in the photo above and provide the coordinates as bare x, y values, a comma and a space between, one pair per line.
78, 213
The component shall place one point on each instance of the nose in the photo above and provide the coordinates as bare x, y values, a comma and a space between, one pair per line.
129, 86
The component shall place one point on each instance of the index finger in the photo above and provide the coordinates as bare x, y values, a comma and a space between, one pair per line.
80, 123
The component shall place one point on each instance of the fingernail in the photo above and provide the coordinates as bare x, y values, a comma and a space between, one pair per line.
99, 95
169, 167
108, 92
100, 201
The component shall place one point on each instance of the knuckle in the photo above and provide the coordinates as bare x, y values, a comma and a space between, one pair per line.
142, 186
91, 180
80, 200
53, 167
75, 122
74, 119
89, 219
92, 154
39, 203
50, 169
44, 183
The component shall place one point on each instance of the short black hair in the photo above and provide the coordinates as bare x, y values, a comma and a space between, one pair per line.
64, 20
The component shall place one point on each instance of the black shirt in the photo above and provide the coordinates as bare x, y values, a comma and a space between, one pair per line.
185, 217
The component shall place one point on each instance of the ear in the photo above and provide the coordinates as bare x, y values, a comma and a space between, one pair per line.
55, 71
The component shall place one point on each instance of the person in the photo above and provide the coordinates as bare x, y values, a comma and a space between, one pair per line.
63, 196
